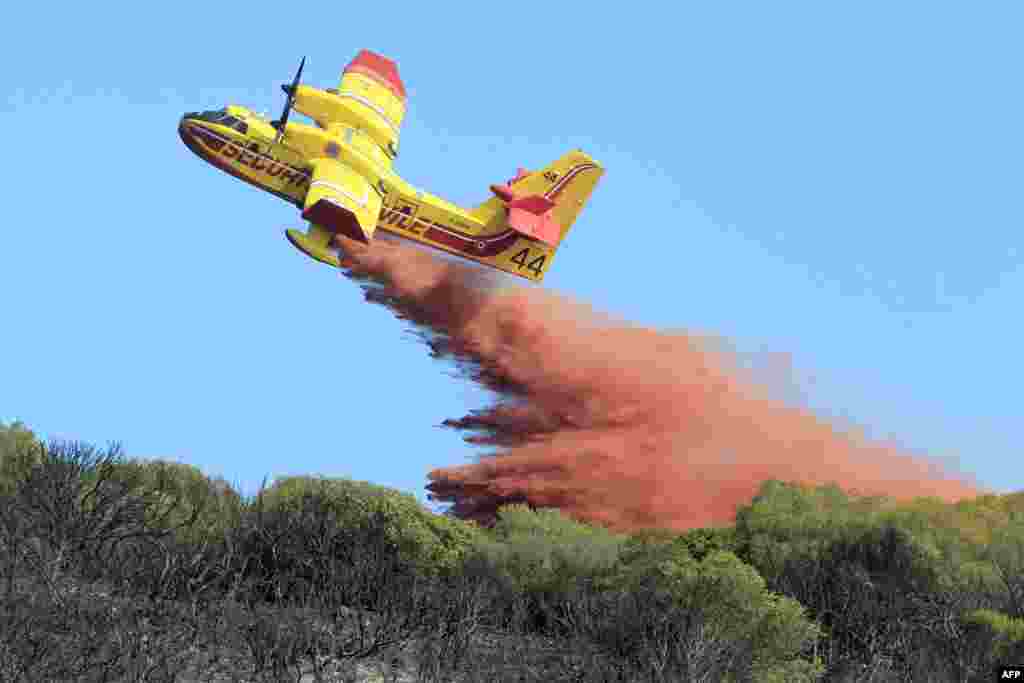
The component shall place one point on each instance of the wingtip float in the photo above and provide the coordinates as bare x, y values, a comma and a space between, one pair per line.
339, 172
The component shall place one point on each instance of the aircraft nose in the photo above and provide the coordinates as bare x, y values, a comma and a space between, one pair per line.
185, 131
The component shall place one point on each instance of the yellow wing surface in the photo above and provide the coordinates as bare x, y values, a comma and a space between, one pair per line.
370, 85
340, 201
370, 98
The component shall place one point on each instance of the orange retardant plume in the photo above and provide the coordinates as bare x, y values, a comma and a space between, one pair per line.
616, 424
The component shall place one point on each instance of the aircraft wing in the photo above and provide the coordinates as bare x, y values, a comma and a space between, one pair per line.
371, 85
342, 201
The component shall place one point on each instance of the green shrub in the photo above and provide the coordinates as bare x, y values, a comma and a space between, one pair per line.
430, 542
540, 560
791, 520
188, 493
19, 450
707, 619
543, 550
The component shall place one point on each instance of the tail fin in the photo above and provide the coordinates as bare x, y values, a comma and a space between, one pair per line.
568, 182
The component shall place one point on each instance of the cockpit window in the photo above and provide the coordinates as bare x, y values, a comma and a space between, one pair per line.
213, 116
239, 125
221, 117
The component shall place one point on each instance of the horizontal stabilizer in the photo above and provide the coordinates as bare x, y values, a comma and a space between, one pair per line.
536, 204
532, 217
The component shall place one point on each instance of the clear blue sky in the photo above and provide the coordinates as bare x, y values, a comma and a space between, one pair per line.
841, 184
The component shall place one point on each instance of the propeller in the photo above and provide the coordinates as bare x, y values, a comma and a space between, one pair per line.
289, 90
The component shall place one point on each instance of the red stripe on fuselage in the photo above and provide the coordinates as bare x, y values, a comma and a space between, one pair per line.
220, 151
480, 245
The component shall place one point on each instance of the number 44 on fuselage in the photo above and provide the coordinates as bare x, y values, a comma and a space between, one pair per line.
339, 171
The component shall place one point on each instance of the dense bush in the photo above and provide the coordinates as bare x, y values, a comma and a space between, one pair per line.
213, 501
703, 619
896, 587
656, 606
540, 559
430, 542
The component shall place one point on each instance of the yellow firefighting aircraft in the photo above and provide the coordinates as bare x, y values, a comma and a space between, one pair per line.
339, 172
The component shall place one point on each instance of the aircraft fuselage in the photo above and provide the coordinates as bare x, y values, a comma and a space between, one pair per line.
240, 143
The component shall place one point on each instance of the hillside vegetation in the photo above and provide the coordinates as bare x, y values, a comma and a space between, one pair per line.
118, 569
